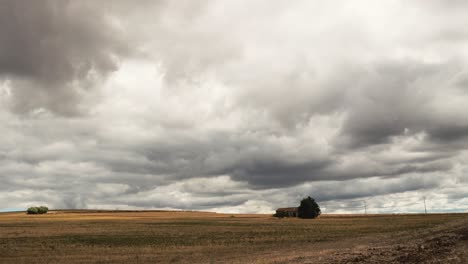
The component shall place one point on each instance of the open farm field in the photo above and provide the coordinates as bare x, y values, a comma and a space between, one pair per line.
197, 237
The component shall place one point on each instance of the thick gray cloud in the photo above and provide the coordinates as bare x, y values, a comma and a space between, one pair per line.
53, 52
234, 106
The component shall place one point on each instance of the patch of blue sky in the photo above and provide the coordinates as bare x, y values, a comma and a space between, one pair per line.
11, 209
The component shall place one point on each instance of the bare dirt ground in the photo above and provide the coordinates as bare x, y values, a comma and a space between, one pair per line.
197, 237
442, 244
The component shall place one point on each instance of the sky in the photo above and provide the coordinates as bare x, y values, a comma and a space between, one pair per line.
234, 106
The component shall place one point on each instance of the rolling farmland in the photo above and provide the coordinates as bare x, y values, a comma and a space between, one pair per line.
199, 237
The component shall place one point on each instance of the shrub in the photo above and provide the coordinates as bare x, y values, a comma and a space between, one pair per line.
309, 208
33, 210
280, 214
38, 210
42, 209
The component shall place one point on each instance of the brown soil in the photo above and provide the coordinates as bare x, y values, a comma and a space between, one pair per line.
200, 237
441, 244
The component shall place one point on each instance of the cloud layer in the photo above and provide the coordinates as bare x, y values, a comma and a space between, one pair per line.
234, 106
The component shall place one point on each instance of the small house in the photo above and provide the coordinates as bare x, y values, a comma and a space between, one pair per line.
287, 212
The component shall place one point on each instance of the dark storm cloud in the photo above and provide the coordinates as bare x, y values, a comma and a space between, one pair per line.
397, 98
258, 162
265, 163
358, 188
53, 52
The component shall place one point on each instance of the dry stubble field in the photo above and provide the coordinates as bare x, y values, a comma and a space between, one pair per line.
196, 237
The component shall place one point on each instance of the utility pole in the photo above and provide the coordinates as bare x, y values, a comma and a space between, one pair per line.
425, 210
365, 207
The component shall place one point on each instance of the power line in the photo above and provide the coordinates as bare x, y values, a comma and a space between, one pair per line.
425, 210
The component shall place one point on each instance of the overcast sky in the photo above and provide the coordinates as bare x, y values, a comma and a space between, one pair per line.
234, 106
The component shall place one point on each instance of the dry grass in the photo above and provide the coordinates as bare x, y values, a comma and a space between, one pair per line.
196, 237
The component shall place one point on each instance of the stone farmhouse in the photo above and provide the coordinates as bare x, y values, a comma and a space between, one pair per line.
288, 212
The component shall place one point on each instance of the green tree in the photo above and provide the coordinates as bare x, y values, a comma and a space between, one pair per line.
309, 208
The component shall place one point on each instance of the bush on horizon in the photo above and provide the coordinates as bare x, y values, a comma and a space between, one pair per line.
37, 210
280, 214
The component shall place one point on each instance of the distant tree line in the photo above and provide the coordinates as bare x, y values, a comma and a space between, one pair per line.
38, 210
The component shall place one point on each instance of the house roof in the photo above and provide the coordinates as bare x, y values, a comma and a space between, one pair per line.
287, 209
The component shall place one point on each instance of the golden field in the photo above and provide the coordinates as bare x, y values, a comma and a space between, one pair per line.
199, 237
